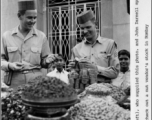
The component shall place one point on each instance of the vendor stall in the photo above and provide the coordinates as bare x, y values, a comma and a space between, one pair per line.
49, 98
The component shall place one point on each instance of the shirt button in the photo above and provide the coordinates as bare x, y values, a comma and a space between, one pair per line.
92, 54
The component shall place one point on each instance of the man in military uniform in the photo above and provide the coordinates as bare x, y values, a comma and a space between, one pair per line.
25, 50
98, 51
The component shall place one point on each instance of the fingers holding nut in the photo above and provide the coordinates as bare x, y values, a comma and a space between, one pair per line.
51, 58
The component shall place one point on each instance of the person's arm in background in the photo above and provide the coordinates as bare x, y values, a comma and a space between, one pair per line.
113, 70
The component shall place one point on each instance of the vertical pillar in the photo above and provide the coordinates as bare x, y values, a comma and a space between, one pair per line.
121, 24
41, 16
106, 29
41, 20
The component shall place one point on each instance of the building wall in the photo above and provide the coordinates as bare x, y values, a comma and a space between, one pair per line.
115, 22
121, 24
41, 18
9, 17
106, 19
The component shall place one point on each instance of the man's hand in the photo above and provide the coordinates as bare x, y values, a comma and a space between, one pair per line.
3, 85
15, 66
127, 91
51, 58
87, 64
71, 65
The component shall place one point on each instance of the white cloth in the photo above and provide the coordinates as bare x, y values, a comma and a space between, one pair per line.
123, 80
63, 76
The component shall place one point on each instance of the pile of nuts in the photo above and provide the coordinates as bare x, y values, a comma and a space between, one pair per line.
98, 89
103, 89
12, 106
98, 109
99, 106
116, 92
48, 87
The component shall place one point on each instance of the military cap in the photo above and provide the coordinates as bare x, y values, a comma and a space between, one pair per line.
26, 5
85, 16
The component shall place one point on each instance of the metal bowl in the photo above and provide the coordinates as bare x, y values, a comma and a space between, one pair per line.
45, 102
63, 117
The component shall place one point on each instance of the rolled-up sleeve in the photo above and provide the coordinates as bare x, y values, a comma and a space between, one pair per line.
113, 70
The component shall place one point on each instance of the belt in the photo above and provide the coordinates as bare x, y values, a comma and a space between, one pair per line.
28, 71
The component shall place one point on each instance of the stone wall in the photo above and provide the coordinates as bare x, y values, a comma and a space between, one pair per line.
121, 24
115, 22
9, 17
106, 19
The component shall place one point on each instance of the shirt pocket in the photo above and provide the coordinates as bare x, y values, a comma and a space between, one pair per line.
35, 55
103, 59
13, 54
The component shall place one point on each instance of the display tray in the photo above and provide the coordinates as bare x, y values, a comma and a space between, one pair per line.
49, 103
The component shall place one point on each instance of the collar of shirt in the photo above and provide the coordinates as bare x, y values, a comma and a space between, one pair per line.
56, 71
99, 40
125, 72
62, 76
16, 31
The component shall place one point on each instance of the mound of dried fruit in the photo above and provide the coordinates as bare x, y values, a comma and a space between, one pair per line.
49, 89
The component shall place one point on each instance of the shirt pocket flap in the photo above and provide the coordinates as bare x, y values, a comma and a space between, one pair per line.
103, 54
36, 49
12, 49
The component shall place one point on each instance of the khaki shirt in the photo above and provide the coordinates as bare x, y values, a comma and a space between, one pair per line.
103, 54
29, 50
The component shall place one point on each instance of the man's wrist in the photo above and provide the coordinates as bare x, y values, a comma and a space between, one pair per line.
9, 66
47, 64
